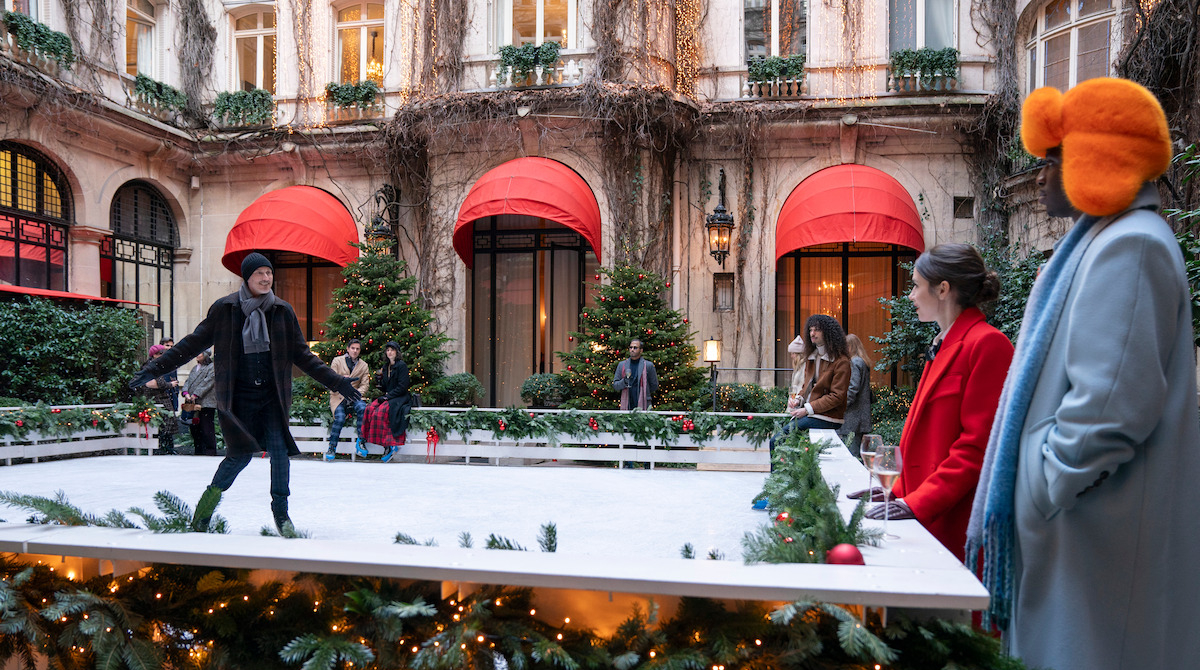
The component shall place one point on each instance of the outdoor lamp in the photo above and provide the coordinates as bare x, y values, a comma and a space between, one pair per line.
379, 232
712, 356
719, 226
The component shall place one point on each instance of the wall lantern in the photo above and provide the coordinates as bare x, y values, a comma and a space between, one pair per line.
712, 356
719, 226
382, 231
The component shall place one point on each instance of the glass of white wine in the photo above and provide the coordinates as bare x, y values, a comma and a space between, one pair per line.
887, 469
870, 445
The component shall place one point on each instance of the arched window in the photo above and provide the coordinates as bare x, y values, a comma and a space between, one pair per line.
35, 212
775, 27
254, 46
26, 7
1070, 41
138, 261
360, 43
141, 19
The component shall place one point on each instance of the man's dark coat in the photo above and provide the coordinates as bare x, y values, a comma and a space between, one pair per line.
222, 330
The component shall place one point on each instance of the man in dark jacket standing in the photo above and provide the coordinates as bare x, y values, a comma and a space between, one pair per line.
256, 340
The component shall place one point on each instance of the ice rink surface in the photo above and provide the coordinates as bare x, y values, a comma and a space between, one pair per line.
598, 511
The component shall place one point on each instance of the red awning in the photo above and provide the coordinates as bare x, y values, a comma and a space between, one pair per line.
301, 219
848, 203
63, 295
533, 187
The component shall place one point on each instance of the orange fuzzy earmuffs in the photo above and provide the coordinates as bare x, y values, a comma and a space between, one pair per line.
1113, 135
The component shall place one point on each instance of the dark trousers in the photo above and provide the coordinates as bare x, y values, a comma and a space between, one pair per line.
265, 422
204, 433
797, 424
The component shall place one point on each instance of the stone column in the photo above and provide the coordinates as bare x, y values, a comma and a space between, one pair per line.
84, 273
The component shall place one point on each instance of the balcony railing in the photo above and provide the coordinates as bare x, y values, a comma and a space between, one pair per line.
568, 71
920, 82
43, 62
775, 88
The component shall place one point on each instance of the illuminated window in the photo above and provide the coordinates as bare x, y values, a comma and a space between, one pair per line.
1070, 41
34, 217
844, 280
914, 24
138, 262
775, 27
140, 20
254, 44
26, 7
360, 43
538, 21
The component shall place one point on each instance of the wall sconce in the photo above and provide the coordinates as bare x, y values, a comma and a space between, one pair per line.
382, 232
719, 226
712, 356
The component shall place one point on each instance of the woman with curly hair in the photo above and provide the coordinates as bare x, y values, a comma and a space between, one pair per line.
820, 380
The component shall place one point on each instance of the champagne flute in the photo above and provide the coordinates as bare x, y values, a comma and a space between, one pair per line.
887, 469
870, 446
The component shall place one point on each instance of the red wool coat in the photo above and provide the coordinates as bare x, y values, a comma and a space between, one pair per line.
947, 428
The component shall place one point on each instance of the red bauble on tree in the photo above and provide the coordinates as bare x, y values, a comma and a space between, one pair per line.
844, 554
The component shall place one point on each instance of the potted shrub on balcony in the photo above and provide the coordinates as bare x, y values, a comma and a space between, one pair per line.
775, 76
525, 61
543, 390
244, 108
923, 69
360, 99
158, 99
38, 45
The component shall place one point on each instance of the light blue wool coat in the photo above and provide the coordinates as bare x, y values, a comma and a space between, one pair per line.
1104, 498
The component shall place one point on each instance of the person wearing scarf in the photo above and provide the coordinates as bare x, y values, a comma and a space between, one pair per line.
256, 339
1090, 543
947, 427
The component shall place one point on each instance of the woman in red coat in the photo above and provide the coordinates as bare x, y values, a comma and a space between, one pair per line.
947, 428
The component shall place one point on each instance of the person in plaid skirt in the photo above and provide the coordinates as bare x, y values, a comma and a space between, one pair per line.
387, 417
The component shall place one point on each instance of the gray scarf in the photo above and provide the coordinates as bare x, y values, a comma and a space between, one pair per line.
255, 338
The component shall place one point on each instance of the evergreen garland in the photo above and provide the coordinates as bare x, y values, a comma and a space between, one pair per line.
631, 306
170, 616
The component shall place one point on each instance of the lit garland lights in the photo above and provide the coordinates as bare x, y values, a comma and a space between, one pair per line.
183, 616
846, 36
687, 48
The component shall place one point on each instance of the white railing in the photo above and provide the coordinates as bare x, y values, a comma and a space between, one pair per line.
568, 71
732, 450
775, 88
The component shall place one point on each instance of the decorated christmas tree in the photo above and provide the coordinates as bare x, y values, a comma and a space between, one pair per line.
377, 303
631, 306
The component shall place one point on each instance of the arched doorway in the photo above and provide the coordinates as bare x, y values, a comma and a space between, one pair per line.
138, 262
840, 240
529, 231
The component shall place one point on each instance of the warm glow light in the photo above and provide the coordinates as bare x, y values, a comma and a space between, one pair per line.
712, 351
479, 639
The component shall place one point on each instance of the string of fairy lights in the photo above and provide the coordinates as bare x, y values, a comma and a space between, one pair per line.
687, 48
845, 39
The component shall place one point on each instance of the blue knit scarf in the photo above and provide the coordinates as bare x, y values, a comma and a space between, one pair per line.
992, 518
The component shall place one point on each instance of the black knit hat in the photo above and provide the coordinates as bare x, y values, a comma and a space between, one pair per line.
253, 262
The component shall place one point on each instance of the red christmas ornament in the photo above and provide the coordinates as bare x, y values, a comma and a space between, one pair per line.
345, 280
571, 338
685, 320
597, 277
322, 331
621, 298
381, 287
56, 411
95, 423
411, 335
603, 299
570, 368
407, 302
749, 416
844, 554
788, 540
531, 415
20, 423
668, 284
354, 325
587, 360
370, 340
641, 276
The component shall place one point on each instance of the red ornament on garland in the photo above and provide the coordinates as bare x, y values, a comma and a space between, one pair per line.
685, 320
844, 554
621, 298
20, 423
345, 280
407, 302
56, 411
668, 284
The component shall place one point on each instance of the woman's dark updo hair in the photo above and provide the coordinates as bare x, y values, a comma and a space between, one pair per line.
961, 266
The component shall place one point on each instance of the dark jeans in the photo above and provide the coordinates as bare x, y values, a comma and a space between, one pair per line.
339, 419
204, 433
265, 422
797, 424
